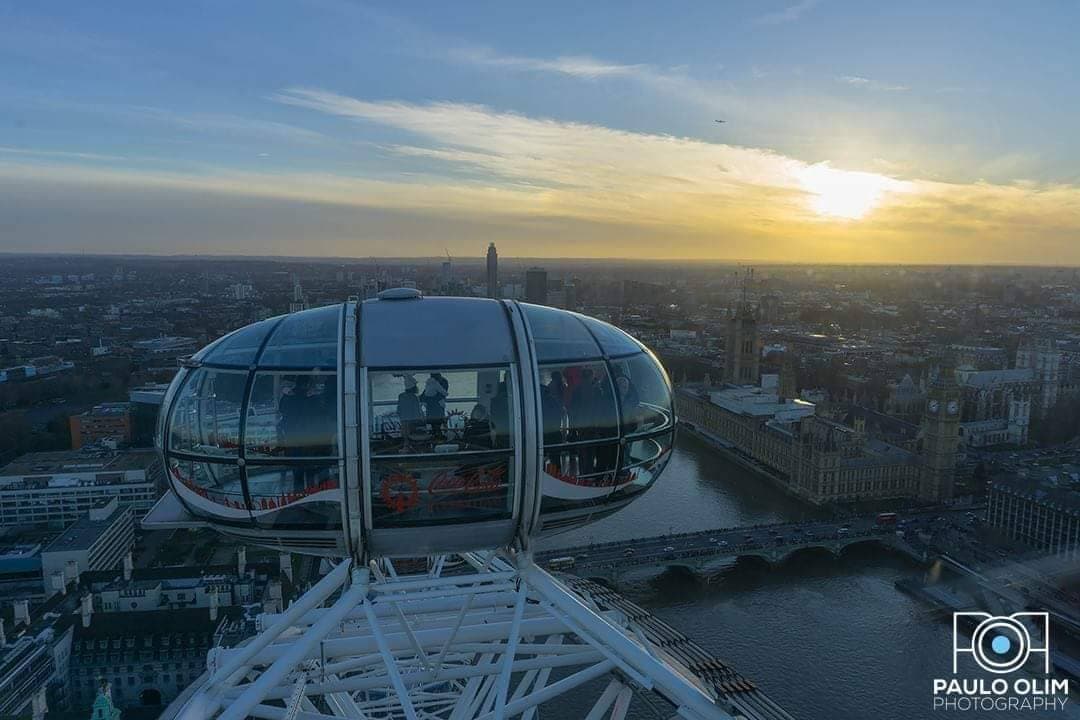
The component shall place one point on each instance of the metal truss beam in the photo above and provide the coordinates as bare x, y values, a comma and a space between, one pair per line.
480, 644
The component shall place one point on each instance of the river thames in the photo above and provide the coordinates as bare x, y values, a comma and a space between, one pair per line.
825, 637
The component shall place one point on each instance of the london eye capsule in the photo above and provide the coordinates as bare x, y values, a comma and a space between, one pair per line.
405, 425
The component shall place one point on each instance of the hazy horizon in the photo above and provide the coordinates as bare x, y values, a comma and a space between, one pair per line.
521, 260
853, 133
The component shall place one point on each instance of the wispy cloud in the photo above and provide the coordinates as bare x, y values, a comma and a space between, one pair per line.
865, 82
521, 149
215, 123
59, 154
672, 82
579, 66
224, 123
789, 14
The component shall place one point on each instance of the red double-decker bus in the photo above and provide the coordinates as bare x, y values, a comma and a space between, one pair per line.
886, 518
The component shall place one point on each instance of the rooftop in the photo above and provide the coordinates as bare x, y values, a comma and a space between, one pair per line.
987, 378
152, 624
1061, 490
758, 402
77, 461
115, 409
85, 532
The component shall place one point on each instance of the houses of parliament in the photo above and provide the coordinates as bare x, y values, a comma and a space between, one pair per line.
856, 454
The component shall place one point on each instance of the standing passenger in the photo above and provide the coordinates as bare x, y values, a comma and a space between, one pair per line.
500, 417
434, 401
408, 408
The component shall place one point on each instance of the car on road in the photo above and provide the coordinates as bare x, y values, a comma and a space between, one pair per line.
669, 548
628, 552
723, 543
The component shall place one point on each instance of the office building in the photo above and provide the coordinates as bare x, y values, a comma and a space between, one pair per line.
99, 541
146, 632
107, 421
57, 488
1040, 508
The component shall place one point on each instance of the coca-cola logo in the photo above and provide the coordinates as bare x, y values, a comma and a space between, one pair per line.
474, 480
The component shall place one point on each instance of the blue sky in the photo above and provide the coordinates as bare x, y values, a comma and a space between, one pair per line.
165, 128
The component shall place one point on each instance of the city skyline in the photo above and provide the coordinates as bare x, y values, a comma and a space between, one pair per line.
852, 134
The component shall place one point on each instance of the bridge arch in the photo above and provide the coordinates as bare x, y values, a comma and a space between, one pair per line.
861, 542
755, 558
811, 550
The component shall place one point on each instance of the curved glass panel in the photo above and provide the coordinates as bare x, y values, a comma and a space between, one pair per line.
445, 411
292, 415
643, 460
435, 331
559, 335
212, 490
201, 354
205, 417
581, 429
242, 346
582, 466
300, 495
306, 339
644, 394
612, 340
435, 491
577, 403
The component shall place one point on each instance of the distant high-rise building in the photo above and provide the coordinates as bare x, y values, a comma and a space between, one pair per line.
492, 271
536, 286
298, 302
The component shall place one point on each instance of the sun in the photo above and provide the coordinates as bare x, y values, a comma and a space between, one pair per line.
844, 194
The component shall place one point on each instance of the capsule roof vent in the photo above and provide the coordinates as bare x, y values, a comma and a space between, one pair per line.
401, 293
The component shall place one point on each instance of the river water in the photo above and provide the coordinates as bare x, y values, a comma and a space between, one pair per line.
826, 638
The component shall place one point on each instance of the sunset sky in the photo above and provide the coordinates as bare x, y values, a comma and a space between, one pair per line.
941, 132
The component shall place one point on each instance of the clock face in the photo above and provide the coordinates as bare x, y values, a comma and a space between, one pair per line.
932, 406
953, 407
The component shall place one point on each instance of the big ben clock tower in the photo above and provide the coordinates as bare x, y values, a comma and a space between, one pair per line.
940, 437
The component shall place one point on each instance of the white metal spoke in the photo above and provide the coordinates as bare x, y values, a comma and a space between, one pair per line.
475, 645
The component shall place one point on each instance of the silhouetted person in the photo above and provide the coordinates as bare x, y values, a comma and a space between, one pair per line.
500, 416
478, 428
552, 409
433, 400
297, 413
307, 425
630, 402
558, 388
408, 409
